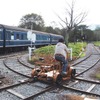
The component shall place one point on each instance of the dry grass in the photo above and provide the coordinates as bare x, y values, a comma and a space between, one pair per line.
42, 59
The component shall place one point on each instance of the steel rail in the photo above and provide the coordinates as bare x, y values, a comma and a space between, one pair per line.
78, 90
18, 59
82, 60
97, 50
2, 57
87, 56
16, 84
43, 91
88, 68
80, 79
85, 80
11, 55
66, 87
4, 62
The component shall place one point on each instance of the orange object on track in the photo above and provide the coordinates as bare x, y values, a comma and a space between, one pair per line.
52, 72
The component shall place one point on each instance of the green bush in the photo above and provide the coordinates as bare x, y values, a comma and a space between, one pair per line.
98, 75
76, 48
45, 50
97, 43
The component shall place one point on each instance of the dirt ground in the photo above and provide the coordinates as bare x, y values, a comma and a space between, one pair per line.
44, 60
4, 80
69, 97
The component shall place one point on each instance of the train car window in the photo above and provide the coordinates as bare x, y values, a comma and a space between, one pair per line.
41, 37
17, 36
22, 37
8, 33
49, 38
25, 36
44, 37
52, 38
1, 31
0, 35
38, 37
12, 36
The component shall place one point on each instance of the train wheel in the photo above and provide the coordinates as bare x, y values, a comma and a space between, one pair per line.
73, 73
58, 79
34, 73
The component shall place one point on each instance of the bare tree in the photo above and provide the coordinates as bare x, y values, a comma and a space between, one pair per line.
72, 19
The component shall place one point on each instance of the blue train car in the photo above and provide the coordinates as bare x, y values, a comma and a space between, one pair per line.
41, 38
16, 39
54, 38
13, 38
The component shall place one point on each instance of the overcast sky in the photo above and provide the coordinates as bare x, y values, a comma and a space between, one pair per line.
11, 11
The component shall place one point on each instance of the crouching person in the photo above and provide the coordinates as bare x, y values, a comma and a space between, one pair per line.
60, 54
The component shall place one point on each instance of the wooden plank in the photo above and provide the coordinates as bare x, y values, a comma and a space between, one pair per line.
73, 83
16, 93
92, 86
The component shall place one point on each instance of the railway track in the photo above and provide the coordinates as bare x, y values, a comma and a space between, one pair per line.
79, 86
24, 90
13, 64
7, 76
85, 87
18, 89
86, 65
12, 55
87, 62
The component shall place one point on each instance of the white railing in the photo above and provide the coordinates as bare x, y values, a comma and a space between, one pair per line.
30, 49
70, 49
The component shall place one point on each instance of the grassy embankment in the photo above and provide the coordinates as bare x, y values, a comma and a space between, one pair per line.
97, 43
47, 52
76, 48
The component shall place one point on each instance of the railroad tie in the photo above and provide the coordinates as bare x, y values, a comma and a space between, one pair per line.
16, 93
